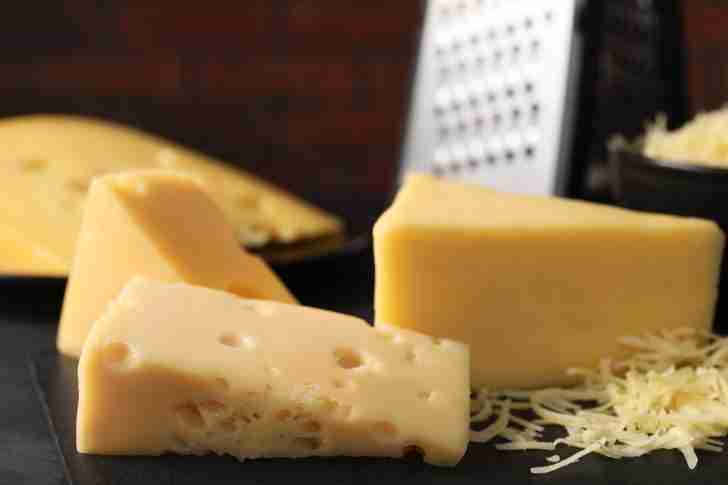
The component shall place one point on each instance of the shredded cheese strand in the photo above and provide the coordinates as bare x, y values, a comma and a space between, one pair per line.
669, 392
568, 461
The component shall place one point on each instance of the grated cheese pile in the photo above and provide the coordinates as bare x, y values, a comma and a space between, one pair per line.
703, 141
669, 392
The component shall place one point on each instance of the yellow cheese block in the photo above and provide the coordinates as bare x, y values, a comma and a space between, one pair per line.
184, 369
535, 284
161, 225
47, 163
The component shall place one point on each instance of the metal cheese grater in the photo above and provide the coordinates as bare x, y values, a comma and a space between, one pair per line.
493, 95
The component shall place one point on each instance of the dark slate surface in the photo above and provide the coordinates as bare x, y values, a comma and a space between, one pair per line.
28, 454
28, 315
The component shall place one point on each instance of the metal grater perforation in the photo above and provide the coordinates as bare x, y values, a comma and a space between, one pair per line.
491, 101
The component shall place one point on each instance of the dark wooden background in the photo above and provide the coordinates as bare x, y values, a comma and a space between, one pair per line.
311, 94
308, 93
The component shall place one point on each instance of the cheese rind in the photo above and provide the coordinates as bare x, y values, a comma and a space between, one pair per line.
184, 369
161, 225
536, 285
48, 161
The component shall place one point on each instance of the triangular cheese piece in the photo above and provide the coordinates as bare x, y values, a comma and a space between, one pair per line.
47, 163
161, 225
21, 255
178, 368
537, 284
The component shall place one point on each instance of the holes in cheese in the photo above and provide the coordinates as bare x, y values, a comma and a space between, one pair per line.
150, 223
79, 185
189, 415
348, 358
410, 355
222, 383
319, 401
248, 201
33, 165
116, 353
229, 339
282, 415
384, 427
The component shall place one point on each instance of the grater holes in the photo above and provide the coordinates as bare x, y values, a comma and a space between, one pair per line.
480, 61
529, 152
479, 121
444, 131
497, 55
462, 66
445, 71
497, 119
459, 156
535, 46
534, 110
462, 127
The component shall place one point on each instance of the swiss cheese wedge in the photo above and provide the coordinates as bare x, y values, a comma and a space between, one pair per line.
47, 163
185, 369
161, 225
536, 285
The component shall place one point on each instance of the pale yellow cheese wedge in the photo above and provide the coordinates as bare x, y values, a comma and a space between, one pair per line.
22, 256
536, 285
184, 369
161, 225
47, 163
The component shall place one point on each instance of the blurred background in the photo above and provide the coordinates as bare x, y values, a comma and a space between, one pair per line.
307, 93
314, 94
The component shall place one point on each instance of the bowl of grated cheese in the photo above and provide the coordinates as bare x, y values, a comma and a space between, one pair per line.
682, 172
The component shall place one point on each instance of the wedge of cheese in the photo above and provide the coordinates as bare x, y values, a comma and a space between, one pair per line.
161, 225
184, 369
536, 285
47, 163
23, 256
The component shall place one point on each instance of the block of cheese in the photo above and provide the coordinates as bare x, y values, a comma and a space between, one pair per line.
157, 224
536, 284
47, 163
185, 369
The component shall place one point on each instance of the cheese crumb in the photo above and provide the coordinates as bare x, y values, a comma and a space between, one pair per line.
669, 392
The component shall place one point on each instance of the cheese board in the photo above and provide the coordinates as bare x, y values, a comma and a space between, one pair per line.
56, 383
